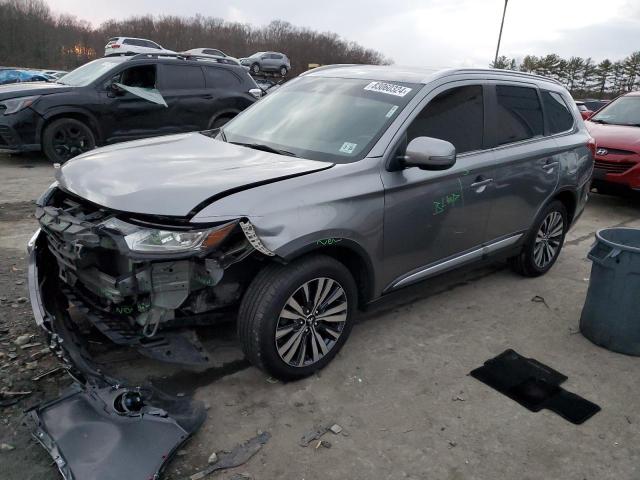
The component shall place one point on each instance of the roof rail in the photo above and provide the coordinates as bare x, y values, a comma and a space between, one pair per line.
180, 56
327, 67
508, 72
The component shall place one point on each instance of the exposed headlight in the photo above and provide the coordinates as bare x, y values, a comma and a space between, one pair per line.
167, 241
14, 105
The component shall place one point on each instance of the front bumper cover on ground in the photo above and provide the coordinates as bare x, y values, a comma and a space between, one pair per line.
101, 429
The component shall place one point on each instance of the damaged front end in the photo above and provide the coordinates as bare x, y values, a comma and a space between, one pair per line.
141, 283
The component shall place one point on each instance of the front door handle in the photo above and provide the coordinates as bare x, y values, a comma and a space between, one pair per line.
549, 166
481, 184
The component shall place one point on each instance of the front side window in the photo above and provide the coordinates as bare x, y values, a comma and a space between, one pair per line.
519, 114
622, 111
182, 77
328, 119
456, 115
558, 115
143, 76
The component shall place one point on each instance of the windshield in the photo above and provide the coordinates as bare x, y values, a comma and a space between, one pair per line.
89, 72
329, 119
623, 111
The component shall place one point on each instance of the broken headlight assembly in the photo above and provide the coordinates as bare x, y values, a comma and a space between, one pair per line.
155, 240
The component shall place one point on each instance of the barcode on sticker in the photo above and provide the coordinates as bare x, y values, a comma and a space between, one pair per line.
388, 88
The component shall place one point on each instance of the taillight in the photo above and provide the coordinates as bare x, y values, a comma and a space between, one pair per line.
592, 146
115, 45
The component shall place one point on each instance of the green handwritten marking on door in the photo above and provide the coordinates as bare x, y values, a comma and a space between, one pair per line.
328, 241
449, 200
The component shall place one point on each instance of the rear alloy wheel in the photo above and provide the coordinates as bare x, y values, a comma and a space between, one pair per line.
294, 319
544, 241
66, 138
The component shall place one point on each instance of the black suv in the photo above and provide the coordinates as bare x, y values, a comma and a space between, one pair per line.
114, 99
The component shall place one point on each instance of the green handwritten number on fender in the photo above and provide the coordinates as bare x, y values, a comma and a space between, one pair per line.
328, 241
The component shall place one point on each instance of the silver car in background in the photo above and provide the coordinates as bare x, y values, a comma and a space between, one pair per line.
345, 184
269, 62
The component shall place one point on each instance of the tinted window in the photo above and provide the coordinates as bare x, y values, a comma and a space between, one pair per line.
220, 78
182, 77
456, 116
150, 45
209, 51
558, 116
130, 41
519, 115
276, 56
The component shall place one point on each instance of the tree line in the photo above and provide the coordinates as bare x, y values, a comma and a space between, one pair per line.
583, 77
31, 35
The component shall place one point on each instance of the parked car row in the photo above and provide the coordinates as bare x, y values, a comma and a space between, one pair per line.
260, 62
121, 98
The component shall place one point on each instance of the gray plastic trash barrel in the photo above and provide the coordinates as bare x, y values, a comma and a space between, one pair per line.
611, 313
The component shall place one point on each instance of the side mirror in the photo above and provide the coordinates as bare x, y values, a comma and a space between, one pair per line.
428, 153
115, 89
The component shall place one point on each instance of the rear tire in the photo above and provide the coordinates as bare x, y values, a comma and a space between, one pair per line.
544, 241
66, 138
283, 336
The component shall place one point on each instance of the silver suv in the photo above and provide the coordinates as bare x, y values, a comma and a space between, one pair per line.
345, 184
267, 62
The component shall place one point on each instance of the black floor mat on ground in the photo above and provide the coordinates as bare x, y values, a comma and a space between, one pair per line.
534, 386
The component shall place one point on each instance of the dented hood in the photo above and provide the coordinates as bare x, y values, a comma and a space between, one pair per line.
174, 175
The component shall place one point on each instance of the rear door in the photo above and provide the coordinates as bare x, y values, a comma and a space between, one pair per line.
436, 218
526, 172
189, 101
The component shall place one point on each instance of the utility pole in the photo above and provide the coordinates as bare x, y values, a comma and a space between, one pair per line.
504, 12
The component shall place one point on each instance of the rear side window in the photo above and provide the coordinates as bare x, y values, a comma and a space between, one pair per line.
213, 52
220, 78
559, 117
456, 115
182, 77
519, 114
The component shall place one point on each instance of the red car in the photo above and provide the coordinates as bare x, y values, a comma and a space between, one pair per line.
616, 130
584, 110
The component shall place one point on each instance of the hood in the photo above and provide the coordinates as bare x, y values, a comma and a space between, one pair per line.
174, 175
16, 90
621, 137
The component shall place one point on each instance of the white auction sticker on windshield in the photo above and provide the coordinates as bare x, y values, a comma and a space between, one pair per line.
348, 147
388, 88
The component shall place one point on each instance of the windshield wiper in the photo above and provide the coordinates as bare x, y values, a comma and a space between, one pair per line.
265, 148
603, 122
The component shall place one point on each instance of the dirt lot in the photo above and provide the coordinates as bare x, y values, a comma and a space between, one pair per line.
400, 387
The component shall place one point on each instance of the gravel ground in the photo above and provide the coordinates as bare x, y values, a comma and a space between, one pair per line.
400, 388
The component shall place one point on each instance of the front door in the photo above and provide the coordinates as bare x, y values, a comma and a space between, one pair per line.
129, 108
436, 218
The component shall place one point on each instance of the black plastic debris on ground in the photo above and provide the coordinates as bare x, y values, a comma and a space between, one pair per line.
534, 386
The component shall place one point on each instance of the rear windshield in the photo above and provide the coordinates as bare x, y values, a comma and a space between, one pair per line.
90, 72
328, 119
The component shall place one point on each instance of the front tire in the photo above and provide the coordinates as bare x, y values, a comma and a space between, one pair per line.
294, 318
544, 241
66, 138
283, 71
255, 68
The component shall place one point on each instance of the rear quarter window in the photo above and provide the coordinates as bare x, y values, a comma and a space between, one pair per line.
559, 118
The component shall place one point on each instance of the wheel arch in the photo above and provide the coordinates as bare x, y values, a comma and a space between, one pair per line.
351, 255
75, 113
570, 202
227, 112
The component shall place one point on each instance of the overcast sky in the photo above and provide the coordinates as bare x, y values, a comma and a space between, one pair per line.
433, 33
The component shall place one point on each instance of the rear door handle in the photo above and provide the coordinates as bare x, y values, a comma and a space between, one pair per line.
480, 185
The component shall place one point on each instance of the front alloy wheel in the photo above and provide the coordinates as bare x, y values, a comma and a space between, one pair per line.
311, 322
294, 318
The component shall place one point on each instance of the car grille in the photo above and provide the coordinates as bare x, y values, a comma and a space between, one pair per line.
610, 167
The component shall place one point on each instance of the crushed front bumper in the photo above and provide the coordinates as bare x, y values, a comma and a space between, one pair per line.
101, 429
